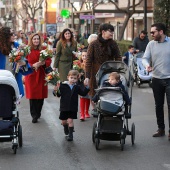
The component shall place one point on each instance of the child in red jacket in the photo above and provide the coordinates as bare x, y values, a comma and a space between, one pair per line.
84, 100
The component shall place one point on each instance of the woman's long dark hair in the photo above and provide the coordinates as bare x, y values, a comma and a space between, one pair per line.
5, 44
63, 40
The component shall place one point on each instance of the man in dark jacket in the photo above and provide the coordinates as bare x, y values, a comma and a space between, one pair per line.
141, 42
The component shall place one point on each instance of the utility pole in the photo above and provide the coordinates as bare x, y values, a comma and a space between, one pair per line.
72, 13
145, 15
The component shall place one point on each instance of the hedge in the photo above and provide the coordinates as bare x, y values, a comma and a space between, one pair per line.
123, 46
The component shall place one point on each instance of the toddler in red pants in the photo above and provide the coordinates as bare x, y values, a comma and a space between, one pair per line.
84, 100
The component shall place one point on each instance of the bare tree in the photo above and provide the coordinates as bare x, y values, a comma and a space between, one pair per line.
31, 7
128, 11
21, 15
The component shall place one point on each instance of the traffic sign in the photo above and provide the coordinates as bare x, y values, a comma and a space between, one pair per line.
59, 19
90, 17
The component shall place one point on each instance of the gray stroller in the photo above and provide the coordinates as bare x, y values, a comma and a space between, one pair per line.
112, 123
10, 127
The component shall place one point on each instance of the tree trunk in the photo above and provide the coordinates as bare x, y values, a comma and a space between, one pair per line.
33, 24
121, 34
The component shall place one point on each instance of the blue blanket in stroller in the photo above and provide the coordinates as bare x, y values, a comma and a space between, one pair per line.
141, 71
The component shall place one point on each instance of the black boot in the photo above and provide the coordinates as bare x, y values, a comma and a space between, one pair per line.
66, 131
70, 135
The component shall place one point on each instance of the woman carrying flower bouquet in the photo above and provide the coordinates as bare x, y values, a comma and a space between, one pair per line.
7, 42
64, 56
36, 91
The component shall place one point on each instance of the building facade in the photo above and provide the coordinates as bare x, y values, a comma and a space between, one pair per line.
105, 13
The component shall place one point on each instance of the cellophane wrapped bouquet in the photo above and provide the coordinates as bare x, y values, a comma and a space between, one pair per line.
52, 78
44, 54
18, 54
77, 66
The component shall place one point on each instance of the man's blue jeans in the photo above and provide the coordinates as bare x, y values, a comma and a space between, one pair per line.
160, 88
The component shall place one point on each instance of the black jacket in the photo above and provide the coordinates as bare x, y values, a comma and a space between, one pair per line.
119, 84
69, 98
140, 44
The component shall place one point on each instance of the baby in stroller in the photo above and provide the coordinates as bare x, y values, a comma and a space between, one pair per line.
114, 81
113, 103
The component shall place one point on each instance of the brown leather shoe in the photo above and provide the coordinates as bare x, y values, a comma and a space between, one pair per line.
159, 133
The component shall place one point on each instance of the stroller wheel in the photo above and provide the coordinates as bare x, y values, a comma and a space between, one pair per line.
97, 141
93, 132
14, 147
122, 142
20, 135
133, 133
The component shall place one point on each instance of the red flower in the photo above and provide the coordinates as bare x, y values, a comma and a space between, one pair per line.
50, 43
17, 58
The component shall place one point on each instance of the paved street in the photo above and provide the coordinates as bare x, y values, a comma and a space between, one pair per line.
45, 147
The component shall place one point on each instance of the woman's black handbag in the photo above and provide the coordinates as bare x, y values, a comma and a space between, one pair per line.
48, 70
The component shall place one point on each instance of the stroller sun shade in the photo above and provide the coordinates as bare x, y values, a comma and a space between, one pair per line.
113, 66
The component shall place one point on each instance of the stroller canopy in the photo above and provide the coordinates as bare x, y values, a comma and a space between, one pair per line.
113, 66
6, 77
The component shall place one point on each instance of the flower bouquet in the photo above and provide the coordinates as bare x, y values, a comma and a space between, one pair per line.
25, 48
50, 41
52, 78
77, 66
44, 45
18, 54
80, 47
44, 54
77, 54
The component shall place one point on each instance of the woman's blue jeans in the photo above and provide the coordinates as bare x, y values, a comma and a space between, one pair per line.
160, 88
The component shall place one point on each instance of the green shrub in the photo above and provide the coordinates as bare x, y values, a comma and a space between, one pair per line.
123, 46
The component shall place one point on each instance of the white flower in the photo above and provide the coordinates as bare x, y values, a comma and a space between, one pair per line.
44, 44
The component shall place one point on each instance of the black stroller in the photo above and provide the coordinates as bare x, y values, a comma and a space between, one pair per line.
10, 128
112, 123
